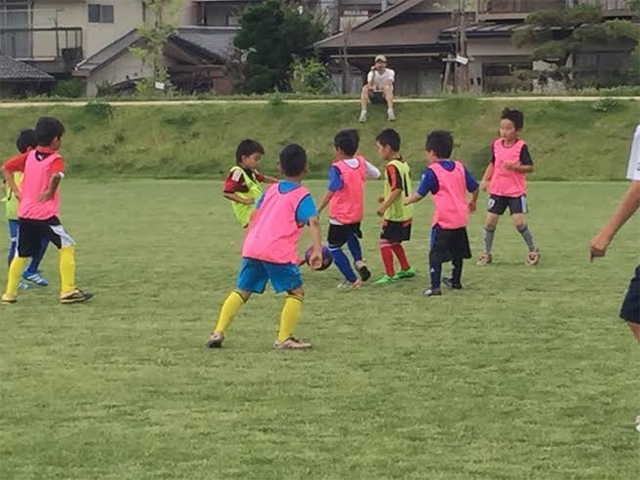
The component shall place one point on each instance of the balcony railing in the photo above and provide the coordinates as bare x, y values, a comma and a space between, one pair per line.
490, 7
42, 44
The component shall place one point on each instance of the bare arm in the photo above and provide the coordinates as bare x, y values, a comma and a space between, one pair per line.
413, 198
325, 201
516, 167
315, 260
486, 178
628, 206
370, 77
395, 195
235, 198
11, 183
51, 190
474, 200
269, 179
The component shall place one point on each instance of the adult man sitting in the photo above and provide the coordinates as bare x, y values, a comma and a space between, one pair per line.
379, 88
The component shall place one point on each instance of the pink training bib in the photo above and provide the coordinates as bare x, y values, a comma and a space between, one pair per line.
36, 180
347, 204
507, 183
451, 208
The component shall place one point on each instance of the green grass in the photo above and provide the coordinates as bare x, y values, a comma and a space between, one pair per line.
568, 141
527, 373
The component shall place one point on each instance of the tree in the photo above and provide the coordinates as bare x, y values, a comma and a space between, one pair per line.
273, 33
154, 34
559, 34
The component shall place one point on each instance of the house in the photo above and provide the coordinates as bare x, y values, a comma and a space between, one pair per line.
418, 37
56, 36
19, 79
407, 33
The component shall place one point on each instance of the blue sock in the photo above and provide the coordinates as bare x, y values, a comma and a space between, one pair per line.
436, 275
35, 261
354, 247
343, 264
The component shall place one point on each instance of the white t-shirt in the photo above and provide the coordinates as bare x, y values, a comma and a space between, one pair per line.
633, 170
379, 79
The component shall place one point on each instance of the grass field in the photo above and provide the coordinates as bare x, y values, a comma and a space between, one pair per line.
527, 373
568, 141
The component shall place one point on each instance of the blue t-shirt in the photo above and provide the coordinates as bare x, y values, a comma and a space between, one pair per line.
306, 208
429, 181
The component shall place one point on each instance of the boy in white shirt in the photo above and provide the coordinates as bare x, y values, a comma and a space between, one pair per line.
379, 88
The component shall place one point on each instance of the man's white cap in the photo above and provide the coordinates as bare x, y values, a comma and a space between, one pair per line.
381, 58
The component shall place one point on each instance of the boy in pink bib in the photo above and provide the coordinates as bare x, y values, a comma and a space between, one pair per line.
506, 178
449, 182
39, 209
345, 198
269, 252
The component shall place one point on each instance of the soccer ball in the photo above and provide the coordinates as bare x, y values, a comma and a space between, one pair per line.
327, 258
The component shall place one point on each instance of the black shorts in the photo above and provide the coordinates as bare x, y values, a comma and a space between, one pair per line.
498, 204
377, 98
395, 232
447, 245
630, 310
339, 234
31, 234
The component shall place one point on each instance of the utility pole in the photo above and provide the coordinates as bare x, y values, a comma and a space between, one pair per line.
462, 69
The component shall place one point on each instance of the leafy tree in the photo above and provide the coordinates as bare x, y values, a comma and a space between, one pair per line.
273, 33
163, 23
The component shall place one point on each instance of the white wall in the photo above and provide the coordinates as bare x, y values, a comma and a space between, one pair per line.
117, 71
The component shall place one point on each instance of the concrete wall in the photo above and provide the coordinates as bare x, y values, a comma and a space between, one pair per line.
127, 66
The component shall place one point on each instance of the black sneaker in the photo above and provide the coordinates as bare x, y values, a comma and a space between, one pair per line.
215, 340
449, 283
364, 272
432, 292
77, 296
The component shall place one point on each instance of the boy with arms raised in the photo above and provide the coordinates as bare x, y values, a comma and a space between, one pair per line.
269, 252
448, 181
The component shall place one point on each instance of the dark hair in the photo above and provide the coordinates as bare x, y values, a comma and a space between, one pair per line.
347, 141
248, 147
390, 137
441, 143
26, 140
516, 116
47, 130
293, 160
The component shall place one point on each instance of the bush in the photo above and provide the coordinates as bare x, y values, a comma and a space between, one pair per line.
71, 88
309, 77
100, 110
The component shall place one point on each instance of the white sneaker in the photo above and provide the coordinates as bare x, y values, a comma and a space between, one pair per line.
391, 116
363, 116
638, 423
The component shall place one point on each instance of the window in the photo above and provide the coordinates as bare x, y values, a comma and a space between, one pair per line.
100, 13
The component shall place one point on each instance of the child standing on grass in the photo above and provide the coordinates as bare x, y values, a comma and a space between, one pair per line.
39, 209
397, 217
345, 197
26, 142
506, 178
630, 311
448, 181
269, 252
242, 186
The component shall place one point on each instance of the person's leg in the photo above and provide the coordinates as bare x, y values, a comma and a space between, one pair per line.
364, 100
630, 310
34, 266
496, 207
287, 278
388, 96
353, 243
13, 240
29, 235
518, 208
338, 235
436, 253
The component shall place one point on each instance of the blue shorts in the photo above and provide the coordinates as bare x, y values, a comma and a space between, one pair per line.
254, 275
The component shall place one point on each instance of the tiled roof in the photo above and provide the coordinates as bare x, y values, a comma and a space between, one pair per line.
12, 69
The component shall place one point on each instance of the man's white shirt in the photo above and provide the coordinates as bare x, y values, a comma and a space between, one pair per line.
633, 169
379, 79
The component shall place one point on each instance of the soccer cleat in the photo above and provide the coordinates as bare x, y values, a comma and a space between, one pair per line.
77, 296
408, 273
364, 272
363, 117
215, 340
391, 116
449, 283
347, 285
485, 259
24, 286
386, 279
8, 299
291, 344
432, 292
533, 258
35, 278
